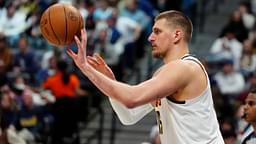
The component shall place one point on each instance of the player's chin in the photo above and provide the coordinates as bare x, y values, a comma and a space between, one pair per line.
156, 54
246, 117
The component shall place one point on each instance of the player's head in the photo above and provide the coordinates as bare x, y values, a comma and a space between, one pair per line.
170, 28
250, 107
176, 19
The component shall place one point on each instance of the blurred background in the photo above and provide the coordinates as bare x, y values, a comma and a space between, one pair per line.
44, 98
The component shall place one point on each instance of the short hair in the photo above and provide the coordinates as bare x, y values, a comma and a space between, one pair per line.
178, 19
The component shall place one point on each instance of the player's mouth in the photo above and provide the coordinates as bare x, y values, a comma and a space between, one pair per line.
245, 115
154, 47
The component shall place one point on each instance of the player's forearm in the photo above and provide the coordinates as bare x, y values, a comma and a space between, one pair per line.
123, 93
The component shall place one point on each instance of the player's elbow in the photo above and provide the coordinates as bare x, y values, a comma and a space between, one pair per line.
130, 105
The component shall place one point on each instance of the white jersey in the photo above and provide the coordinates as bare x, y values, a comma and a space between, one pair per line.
193, 122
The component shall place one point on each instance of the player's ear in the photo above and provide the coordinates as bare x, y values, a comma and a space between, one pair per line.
177, 35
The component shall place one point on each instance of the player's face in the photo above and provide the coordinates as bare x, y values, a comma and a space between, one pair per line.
160, 38
250, 108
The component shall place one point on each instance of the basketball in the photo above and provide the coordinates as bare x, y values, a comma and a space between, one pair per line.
59, 24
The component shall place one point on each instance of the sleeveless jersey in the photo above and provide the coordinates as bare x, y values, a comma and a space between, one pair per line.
193, 122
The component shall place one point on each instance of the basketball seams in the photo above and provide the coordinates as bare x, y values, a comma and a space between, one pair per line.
66, 24
50, 22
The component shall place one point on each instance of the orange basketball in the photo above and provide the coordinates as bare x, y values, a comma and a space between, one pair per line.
60, 23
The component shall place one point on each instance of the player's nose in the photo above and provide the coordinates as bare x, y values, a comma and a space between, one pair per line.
151, 38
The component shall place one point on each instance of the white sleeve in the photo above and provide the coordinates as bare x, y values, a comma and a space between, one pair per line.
130, 116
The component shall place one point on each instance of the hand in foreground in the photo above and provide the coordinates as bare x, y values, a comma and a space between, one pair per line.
100, 65
80, 58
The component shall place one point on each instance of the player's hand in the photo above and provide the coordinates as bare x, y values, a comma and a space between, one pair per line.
100, 65
80, 58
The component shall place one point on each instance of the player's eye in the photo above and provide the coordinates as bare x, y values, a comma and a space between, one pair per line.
157, 31
250, 103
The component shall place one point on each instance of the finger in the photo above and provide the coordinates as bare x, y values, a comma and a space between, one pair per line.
91, 62
71, 53
99, 58
78, 43
80, 47
84, 40
85, 36
92, 59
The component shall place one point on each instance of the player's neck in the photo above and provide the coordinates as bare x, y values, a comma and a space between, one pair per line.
176, 53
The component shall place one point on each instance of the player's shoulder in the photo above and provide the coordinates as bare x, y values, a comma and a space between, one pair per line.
188, 67
176, 66
182, 64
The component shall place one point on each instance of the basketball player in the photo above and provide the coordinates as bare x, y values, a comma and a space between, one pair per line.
250, 116
179, 91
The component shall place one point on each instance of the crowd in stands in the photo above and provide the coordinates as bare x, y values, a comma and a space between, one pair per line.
231, 64
40, 85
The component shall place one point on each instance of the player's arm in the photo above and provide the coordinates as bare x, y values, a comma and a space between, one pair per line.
165, 83
171, 78
127, 116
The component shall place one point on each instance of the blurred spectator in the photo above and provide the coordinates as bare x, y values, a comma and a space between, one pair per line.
230, 85
228, 80
242, 127
30, 118
9, 109
109, 44
8, 117
247, 15
125, 31
132, 11
130, 29
48, 66
250, 116
248, 59
90, 23
65, 86
25, 60
13, 23
63, 83
136, 49
226, 47
236, 23
102, 11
